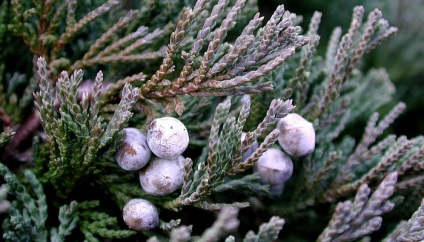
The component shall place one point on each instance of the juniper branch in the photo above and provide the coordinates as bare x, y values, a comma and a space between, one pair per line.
411, 230
372, 131
73, 29
78, 122
226, 222
352, 220
28, 213
267, 231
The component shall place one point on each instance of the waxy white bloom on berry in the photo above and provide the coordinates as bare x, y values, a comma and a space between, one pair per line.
297, 135
140, 214
133, 154
274, 168
162, 176
167, 137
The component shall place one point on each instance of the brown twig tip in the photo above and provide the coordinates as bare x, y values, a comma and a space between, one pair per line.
227, 68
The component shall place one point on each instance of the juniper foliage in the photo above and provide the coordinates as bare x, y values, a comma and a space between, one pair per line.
222, 70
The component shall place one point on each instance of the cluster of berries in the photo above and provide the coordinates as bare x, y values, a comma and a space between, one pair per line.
163, 172
160, 173
297, 138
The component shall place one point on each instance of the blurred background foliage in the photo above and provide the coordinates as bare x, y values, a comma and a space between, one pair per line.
402, 56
